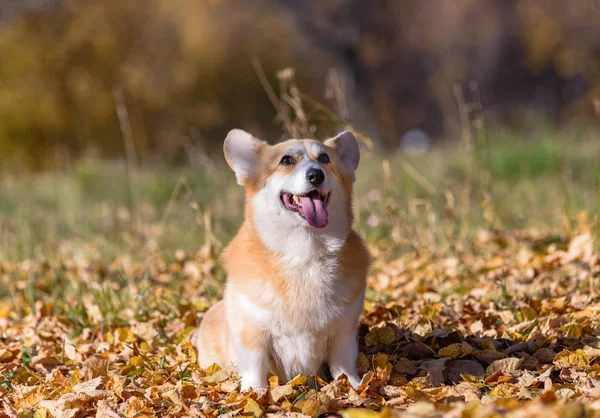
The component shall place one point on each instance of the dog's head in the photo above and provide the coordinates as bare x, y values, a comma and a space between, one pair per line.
297, 183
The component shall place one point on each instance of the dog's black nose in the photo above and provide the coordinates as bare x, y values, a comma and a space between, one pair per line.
315, 176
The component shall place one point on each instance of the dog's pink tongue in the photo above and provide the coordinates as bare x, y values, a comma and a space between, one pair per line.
314, 210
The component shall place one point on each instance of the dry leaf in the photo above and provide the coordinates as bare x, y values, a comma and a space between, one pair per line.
384, 335
567, 358
457, 368
457, 350
297, 381
507, 365
252, 408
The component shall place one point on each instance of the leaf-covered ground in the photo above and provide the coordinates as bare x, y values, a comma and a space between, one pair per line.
508, 326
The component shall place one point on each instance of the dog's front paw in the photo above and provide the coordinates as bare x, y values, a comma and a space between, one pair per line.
252, 383
354, 381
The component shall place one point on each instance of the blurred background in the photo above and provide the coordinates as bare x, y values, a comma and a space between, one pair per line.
184, 70
471, 112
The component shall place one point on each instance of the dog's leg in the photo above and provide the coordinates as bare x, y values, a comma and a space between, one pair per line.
253, 370
343, 352
343, 345
252, 360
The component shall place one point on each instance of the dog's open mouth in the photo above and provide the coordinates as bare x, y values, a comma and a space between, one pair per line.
312, 207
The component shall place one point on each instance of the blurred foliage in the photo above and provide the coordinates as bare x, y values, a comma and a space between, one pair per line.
185, 69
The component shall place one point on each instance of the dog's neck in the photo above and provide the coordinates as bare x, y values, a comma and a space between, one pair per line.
299, 244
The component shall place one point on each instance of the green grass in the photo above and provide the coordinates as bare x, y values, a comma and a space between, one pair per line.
428, 200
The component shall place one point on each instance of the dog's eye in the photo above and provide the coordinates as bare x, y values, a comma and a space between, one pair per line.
323, 158
287, 160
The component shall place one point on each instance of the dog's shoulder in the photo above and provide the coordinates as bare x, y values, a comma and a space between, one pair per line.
354, 258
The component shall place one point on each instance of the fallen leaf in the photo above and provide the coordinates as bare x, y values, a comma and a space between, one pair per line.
253, 408
457, 368
507, 365
504, 390
297, 381
280, 391
568, 358
383, 335
456, 350
435, 371
405, 366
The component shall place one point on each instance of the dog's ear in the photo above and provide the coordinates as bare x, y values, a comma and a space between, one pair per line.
241, 152
346, 147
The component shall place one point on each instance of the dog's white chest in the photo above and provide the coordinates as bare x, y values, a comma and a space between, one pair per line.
316, 301
315, 296
301, 317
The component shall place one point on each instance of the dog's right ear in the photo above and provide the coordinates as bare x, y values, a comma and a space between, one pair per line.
241, 152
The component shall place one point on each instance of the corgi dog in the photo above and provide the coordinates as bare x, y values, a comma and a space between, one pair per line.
296, 271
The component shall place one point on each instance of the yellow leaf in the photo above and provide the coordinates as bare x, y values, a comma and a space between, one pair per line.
273, 382
6, 355
431, 311
384, 373
456, 350
504, 390
218, 376
297, 381
469, 378
529, 313
487, 344
136, 361
566, 358
5, 311
212, 369
362, 363
286, 406
75, 377
41, 413
280, 392
173, 396
384, 335
191, 350
381, 360
125, 335
253, 408
311, 407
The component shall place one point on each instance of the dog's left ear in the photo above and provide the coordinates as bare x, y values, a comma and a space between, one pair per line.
241, 152
346, 146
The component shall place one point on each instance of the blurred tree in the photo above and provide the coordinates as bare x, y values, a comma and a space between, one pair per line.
185, 68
